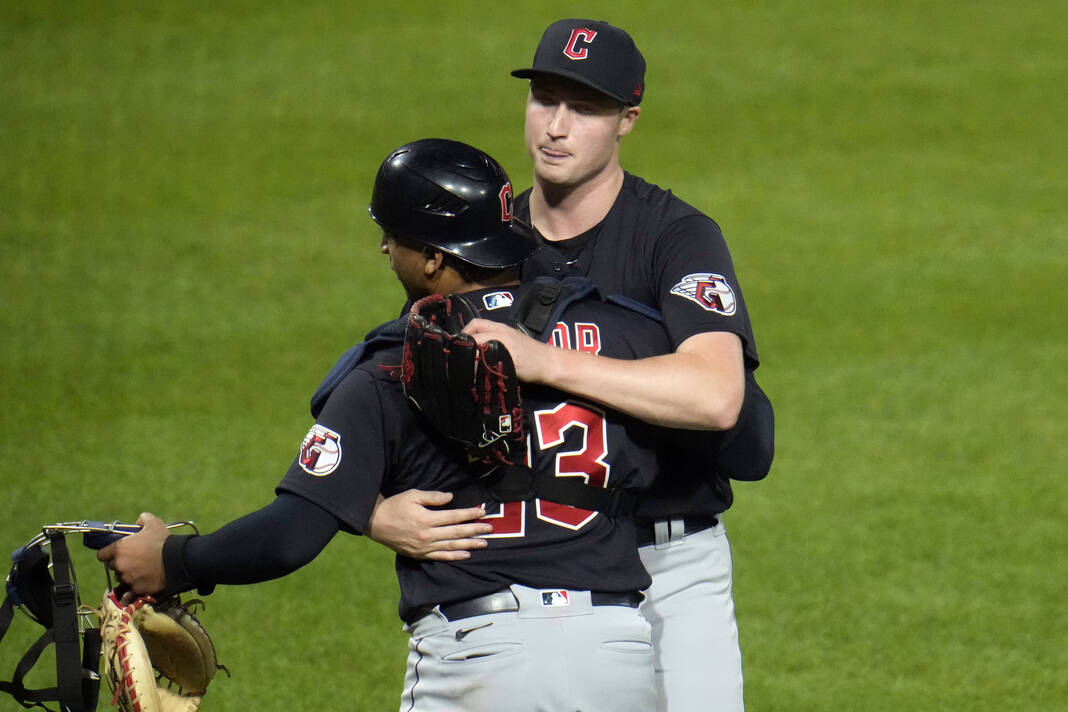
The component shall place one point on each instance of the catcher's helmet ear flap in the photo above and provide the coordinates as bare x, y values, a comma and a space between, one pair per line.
452, 197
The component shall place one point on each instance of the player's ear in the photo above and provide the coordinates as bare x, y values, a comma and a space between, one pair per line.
435, 262
626, 122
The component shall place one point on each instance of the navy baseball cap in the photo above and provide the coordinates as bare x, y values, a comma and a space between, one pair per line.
593, 53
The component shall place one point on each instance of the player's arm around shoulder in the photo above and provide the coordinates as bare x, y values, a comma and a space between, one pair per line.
699, 387
721, 376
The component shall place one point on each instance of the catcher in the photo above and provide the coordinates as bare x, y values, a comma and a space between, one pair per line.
546, 615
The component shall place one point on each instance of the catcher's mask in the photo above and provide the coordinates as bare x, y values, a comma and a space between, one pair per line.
453, 197
42, 584
51, 599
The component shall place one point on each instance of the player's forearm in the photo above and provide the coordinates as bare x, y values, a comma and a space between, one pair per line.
699, 387
266, 544
679, 390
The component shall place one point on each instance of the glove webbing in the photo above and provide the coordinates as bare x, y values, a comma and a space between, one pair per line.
518, 483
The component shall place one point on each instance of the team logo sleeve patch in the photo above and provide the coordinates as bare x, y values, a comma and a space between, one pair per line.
709, 291
320, 453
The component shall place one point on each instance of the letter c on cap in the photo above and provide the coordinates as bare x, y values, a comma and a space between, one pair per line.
579, 33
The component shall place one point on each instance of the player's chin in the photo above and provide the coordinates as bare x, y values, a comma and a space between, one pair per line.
553, 173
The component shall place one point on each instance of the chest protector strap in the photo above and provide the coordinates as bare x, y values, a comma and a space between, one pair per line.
542, 304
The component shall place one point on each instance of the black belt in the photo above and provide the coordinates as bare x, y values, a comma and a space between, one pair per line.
504, 601
691, 525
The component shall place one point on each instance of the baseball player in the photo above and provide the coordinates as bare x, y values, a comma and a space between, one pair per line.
633, 238
586, 85
545, 616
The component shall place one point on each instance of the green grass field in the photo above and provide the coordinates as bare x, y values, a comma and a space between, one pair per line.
185, 249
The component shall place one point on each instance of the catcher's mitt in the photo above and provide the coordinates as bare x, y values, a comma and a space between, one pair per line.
157, 656
468, 391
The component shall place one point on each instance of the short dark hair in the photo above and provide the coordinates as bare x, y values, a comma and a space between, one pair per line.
473, 273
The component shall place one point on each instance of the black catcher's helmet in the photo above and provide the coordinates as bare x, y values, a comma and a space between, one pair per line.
452, 197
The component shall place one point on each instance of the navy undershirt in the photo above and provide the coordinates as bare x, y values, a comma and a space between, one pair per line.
266, 544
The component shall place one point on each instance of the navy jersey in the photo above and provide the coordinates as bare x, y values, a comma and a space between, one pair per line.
661, 251
368, 439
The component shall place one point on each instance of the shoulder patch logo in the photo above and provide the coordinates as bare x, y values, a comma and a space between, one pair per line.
320, 453
497, 300
709, 291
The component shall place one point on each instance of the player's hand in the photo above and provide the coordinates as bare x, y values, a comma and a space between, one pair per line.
137, 559
533, 360
403, 523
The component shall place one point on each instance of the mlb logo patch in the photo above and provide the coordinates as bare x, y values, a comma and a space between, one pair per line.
504, 424
498, 300
554, 598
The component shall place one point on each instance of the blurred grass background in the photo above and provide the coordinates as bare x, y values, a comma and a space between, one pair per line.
184, 250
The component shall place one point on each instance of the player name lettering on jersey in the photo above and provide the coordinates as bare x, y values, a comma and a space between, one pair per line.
320, 453
709, 291
584, 336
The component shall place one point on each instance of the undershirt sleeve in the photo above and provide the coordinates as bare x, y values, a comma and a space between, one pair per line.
266, 544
